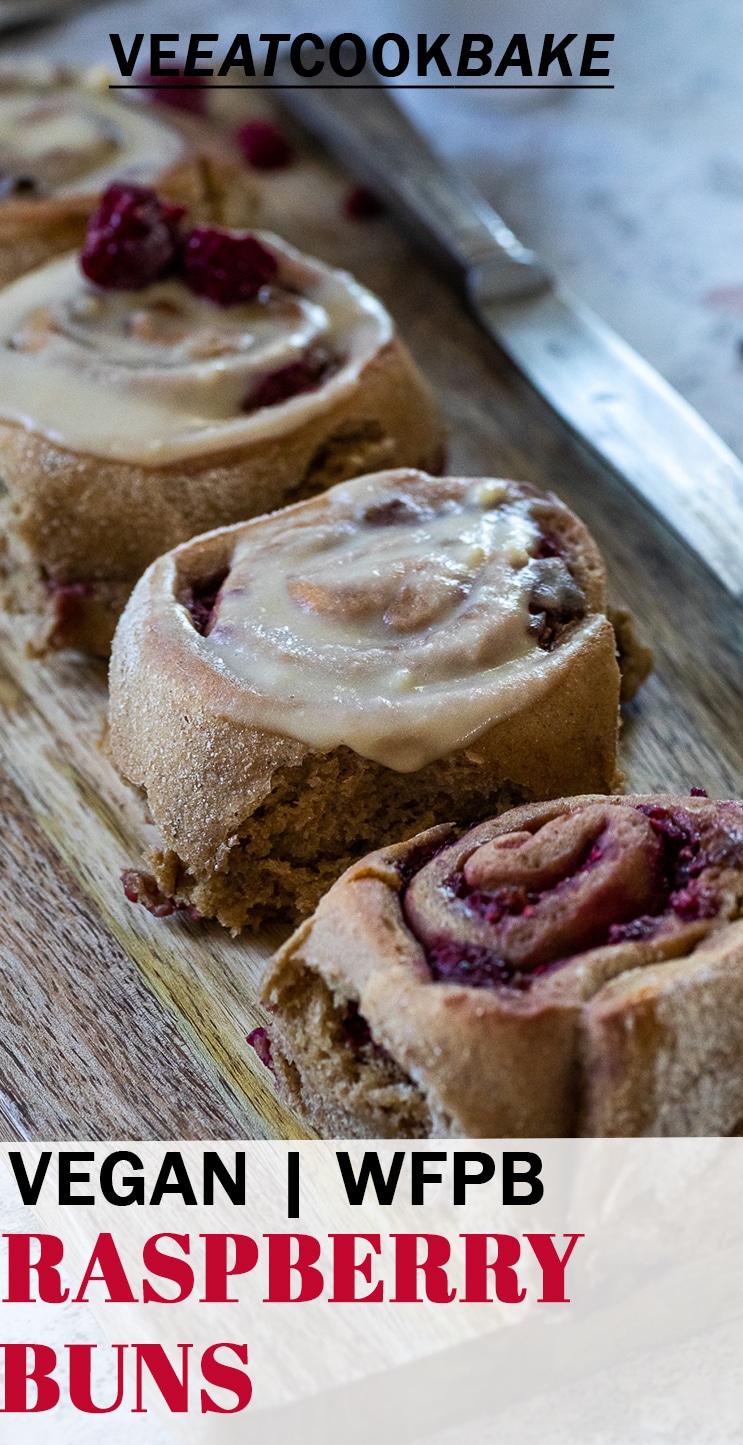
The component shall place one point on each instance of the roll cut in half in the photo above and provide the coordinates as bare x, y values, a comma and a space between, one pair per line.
570, 967
64, 137
399, 650
170, 380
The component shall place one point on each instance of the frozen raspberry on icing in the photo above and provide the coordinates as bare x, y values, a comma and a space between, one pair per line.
132, 239
299, 376
264, 146
225, 267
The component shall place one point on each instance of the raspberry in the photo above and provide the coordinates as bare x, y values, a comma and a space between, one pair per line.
638, 928
549, 545
142, 888
357, 1034
694, 902
174, 91
202, 600
291, 380
263, 146
394, 512
224, 267
132, 239
470, 963
68, 602
259, 1040
361, 204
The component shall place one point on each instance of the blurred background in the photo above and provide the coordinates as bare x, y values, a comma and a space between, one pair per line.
634, 196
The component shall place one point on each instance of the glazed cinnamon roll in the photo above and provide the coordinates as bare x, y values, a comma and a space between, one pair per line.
64, 137
399, 650
570, 967
173, 379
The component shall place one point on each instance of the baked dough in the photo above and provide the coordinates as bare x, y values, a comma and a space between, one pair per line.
399, 650
64, 136
133, 420
573, 967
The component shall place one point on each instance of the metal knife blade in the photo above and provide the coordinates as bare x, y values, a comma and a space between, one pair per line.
625, 410
614, 400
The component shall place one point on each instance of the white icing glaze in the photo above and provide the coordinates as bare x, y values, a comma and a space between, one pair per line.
73, 140
403, 641
160, 374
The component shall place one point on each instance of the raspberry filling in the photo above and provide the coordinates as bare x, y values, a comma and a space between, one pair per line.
357, 1036
68, 603
264, 146
259, 1040
132, 239
395, 512
297, 377
549, 545
524, 903
142, 888
361, 204
200, 600
356, 1031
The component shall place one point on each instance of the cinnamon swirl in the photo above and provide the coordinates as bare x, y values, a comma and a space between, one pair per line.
399, 650
570, 967
170, 380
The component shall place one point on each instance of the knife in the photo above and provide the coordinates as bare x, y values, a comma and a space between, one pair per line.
608, 395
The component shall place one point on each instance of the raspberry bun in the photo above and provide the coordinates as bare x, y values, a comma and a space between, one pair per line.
397, 651
172, 379
64, 137
568, 968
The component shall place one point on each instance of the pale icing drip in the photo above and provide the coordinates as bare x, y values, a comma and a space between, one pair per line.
159, 374
73, 140
391, 615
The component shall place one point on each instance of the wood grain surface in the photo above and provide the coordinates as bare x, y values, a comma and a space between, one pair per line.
113, 1024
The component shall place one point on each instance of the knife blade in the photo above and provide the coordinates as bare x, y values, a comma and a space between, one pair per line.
607, 394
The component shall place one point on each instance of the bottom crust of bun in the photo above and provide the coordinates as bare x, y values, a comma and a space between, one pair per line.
326, 810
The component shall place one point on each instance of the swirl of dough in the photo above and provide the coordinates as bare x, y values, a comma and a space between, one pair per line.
500, 907
400, 614
157, 374
572, 967
65, 136
58, 138
61, 135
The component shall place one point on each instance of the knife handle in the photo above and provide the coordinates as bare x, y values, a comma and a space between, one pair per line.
364, 127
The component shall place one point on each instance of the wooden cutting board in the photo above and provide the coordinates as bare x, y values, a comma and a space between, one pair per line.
117, 1025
